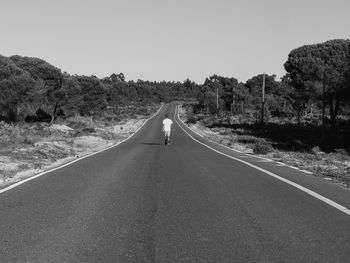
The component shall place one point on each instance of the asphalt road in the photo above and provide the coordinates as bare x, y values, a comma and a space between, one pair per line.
145, 202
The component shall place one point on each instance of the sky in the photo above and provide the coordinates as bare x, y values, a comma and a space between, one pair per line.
169, 40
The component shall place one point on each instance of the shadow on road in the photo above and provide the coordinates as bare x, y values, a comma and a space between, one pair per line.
151, 143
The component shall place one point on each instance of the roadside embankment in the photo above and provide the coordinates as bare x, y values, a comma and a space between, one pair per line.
332, 166
29, 149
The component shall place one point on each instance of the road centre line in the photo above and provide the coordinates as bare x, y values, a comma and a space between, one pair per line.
302, 188
78, 159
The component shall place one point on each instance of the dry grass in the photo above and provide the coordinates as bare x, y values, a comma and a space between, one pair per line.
26, 149
333, 165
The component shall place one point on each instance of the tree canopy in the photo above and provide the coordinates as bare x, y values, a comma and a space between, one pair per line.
31, 85
318, 75
319, 72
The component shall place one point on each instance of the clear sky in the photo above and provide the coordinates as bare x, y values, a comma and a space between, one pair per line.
168, 39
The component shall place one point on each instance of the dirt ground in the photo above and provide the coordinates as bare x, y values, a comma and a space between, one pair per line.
334, 166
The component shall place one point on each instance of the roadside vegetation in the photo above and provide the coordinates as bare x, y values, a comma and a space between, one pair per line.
29, 148
48, 117
290, 144
302, 119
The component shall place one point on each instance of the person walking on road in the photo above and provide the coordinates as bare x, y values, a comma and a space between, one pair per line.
167, 129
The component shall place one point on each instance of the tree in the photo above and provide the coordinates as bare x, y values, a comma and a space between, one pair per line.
15, 96
192, 88
209, 101
17, 88
72, 96
210, 91
114, 78
93, 95
273, 93
8, 68
242, 99
51, 77
289, 99
319, 71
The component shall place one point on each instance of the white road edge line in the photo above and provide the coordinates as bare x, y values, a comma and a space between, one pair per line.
247, 154
78, 159
302, 188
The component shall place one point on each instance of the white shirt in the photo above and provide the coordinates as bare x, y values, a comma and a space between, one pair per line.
167, 124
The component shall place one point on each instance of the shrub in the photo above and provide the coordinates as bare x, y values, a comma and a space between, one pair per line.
117, 118
28, 141
191, 119
200, 116
224, 132
79, 122
207, 122
262, 147
89, 130
315, 150
247, 139
277, 155
83, 131
239, 131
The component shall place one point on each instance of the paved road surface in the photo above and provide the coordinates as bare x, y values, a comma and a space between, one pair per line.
145, 202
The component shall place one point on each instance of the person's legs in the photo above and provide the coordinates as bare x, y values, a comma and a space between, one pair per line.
166, 136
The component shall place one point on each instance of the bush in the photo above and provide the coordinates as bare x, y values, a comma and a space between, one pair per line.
239, 131
83, 131
29, 141
200, 117
247, 139
191, 119
315, 150
88, 130
207, 122
224, 132
117, 118
262, 147
79, 122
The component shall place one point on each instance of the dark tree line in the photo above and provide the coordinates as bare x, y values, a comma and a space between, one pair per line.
31, 88
317, 83
222, 95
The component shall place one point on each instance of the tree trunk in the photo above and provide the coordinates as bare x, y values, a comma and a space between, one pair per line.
299, 114
262, 112
54, 113
323, 129
323, 103
333, 111
18, 114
